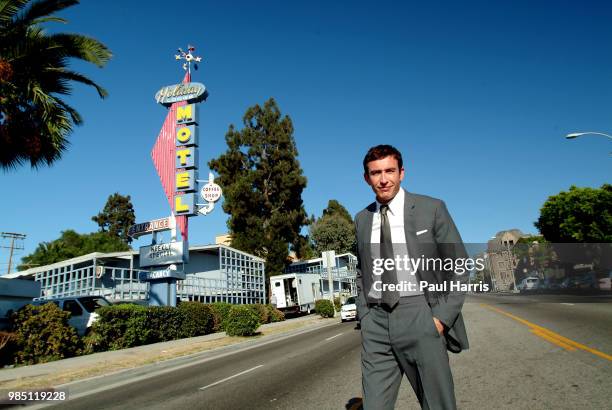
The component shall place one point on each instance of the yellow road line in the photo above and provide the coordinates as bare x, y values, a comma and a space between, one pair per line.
552, 340
550, 335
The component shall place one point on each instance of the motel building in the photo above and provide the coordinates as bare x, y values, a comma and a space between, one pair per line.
344, 274
215, 273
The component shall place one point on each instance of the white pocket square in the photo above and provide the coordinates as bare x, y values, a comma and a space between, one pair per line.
421, 232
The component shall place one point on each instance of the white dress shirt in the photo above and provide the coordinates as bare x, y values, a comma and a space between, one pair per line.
395, 215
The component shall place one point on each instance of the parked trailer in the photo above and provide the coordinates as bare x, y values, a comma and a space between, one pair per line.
296, 292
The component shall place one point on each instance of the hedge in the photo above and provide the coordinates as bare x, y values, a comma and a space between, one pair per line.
274, 315
241, 321
119, 327
261, 311
122, 326
8, 348
197, 319
220, 312
42, 334
324, 308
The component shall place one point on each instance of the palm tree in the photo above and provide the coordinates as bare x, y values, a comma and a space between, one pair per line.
34, 74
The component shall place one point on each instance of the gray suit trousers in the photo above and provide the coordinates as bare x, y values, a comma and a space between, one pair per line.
404, 341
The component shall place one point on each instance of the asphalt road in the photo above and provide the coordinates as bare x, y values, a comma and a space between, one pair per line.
303, 368
527, 352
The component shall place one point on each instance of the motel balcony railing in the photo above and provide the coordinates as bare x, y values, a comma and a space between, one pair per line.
123, 284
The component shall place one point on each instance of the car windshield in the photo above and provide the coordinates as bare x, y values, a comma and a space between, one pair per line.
350, 301
92, 303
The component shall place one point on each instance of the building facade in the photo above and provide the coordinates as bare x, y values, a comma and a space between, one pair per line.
500, 260
215, 273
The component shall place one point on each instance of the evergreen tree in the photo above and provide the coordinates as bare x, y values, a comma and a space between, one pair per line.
117, 217
262, 186
336, 208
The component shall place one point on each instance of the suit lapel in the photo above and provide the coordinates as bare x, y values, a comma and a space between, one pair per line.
366, 227
410, 228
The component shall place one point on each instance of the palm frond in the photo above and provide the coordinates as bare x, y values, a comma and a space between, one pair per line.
34, 121
42, 9
9, 9
74, 76
82, 47
74, 115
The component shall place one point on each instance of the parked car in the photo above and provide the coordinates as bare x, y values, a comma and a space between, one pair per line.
530, 283
605, 283
348, 311
550, 284
588, 281
82, 310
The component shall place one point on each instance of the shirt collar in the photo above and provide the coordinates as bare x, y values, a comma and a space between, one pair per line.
396, 205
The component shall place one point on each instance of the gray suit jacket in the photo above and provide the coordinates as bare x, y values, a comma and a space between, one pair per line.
442, 240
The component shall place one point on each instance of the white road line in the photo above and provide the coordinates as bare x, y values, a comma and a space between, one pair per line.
568, 304
330, 338
231, 377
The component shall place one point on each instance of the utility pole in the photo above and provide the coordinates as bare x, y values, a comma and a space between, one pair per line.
329, 262
12, 236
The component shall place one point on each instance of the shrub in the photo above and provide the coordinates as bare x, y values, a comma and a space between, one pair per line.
261, 311
8, 347
274, 315
197, 319
241, 321
42, 334
337, 303
118, 327
324, 308
165, 323
220, 312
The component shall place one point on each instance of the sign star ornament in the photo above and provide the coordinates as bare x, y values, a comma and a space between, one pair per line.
188, 57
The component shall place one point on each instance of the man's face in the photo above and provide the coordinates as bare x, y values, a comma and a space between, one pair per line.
384, 176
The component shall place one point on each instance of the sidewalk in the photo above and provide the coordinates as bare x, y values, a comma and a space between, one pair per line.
111, 362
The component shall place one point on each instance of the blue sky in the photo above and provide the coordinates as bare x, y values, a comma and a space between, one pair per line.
477, 95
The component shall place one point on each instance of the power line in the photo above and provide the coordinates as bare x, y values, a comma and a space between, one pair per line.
12, 236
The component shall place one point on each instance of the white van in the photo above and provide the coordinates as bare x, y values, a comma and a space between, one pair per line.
296, 292
81, 308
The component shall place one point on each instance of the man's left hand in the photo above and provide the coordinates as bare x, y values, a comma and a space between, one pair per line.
439, 325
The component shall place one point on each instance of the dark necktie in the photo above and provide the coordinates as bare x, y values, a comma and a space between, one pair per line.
389, 298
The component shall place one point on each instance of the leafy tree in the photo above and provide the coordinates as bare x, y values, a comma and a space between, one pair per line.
34, 74
117, 217
580, 215
72, 244
333, 233
262, 184
334, 230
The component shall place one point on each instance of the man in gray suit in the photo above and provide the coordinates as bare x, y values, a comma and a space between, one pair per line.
410, 314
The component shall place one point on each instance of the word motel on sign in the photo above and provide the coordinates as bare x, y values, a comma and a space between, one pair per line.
186, 159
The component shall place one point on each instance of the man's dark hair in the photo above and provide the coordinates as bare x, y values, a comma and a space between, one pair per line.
380, 152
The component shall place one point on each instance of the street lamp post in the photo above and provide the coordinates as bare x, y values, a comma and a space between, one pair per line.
580, 134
